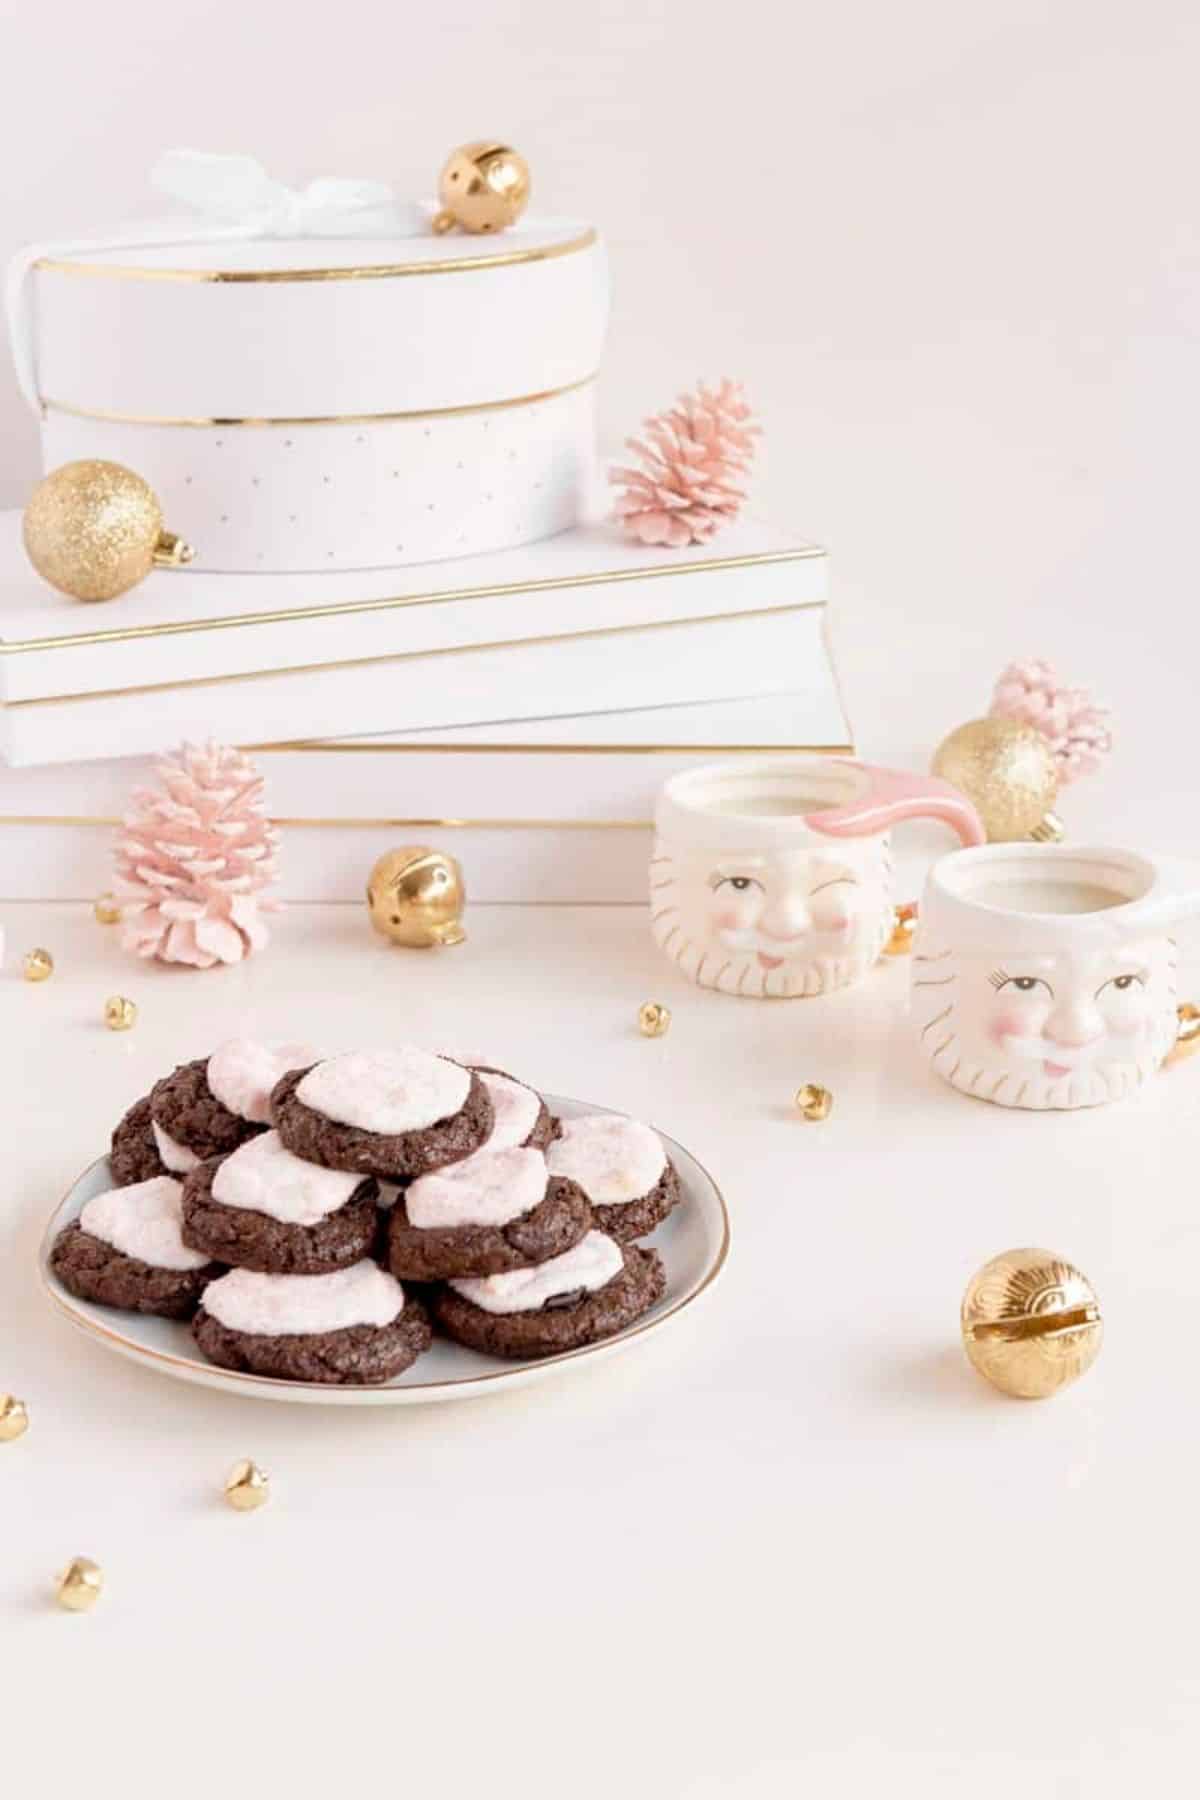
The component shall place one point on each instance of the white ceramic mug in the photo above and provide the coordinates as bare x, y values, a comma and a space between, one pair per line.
773, 877
1044, 976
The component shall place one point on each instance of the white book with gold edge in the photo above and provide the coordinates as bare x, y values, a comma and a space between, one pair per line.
540, 809
584, 622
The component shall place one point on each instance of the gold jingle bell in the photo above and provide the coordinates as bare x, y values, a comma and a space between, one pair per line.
79, 1585
1031, 1323
416, 897
1007, 770
247, 1487
484, 186
95, 529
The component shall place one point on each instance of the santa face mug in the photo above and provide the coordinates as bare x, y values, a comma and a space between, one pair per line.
1044, 976
773, 878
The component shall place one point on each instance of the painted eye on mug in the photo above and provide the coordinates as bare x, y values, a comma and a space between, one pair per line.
739, 883
1121, 984
1024, 984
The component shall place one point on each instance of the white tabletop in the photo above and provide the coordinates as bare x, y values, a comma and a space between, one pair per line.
791, 1544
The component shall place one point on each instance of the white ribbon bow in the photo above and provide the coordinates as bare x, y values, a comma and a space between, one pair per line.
233, 197
236, 194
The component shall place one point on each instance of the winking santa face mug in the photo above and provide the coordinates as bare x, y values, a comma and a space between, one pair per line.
772, 878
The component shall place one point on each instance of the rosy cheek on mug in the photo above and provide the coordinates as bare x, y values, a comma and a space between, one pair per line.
1011, 1025
733, 918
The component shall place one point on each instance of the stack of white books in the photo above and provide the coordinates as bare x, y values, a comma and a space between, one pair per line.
402, 598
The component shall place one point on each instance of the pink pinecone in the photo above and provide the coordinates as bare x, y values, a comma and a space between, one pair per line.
1075, 725
692, 457
193, 858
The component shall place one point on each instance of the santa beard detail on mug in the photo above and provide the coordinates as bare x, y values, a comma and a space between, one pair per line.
1063, 1029
784, 925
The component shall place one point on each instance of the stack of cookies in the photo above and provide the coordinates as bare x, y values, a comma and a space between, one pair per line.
317, 1218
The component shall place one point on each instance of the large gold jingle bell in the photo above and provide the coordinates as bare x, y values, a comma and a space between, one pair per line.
416, 897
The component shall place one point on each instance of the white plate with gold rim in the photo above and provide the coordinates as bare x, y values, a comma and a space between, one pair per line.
693, 1243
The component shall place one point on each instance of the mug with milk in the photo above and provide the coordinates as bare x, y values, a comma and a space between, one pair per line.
772, 877
1044, 976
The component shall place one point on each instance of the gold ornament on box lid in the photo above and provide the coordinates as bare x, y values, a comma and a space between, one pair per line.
483, 187
95, 529
416, 897
1031, 1323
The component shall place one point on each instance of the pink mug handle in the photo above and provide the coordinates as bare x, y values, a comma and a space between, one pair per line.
891, 796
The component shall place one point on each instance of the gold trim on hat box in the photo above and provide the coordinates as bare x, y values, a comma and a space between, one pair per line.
387, 418
447, 265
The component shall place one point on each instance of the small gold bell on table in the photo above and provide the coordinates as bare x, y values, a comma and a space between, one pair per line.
416, 897
37, 965
1031, 1323
14, 1418
813, 1103
654, 1019
1007, 770
95, 529
484, 186
120, 1013
80, 1584
247, 1487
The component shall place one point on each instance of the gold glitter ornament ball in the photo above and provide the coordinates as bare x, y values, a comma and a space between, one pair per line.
1007, 771
483, 187
1031, 1323
95, 529
416, 897
14, 1418
80, 1584
106, 910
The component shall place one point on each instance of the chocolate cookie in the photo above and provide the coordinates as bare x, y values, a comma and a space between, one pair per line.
638, 1218
563, 1321
389, 1086
620, 1164
359, 1327
211, 1106
438, 1253
250, 1239
134, 1154
185, 1108
126, 1250
521, 1115
358, 1353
